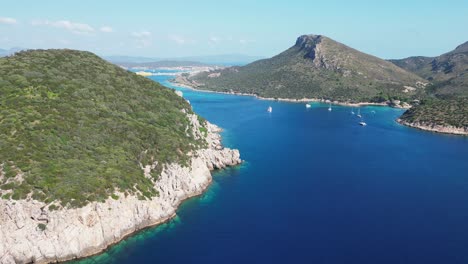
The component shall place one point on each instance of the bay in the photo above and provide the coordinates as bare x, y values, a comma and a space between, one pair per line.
316, 187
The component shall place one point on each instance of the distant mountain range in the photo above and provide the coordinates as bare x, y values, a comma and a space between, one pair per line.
223, 59
160, 64
317, 67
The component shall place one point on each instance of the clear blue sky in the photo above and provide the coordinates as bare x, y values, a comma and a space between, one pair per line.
388, 29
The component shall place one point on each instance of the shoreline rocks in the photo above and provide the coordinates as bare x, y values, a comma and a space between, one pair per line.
31, 233
436, 128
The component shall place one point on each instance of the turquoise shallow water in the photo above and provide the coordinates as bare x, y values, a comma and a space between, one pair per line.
316, 188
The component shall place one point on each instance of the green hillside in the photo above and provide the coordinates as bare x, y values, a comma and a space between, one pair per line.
447, 112
447, 103
448, 72
75, 128
316, 67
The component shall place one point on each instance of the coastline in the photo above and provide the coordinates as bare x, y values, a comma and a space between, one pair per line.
95, 227
302, 100
436, 128
432, 128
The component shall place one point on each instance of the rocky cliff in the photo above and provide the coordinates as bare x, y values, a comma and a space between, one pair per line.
30, 232
446, 129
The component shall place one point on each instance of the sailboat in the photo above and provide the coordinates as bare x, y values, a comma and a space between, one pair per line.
359, 113
270, 109
329, 107
362, 123
352, 111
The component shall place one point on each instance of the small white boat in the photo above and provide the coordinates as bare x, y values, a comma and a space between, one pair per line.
308, 105
329, 107
270, 109
362, 123
352, 111
359, 113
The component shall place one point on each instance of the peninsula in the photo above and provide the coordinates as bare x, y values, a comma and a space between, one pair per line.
317, 68
445, 108
91, 153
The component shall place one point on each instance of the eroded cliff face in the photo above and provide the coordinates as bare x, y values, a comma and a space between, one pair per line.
31, 233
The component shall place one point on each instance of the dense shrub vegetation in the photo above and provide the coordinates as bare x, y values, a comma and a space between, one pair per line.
76, 128
447, 103
452, 112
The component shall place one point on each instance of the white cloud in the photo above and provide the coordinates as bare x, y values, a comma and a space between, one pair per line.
142, 38
142, 34
214, 40
63, 41
8, 20
77, 28
178, 39
106, 29
39, 22
181, 40
5, 40
246, 41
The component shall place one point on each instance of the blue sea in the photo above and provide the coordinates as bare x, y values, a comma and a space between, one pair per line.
316, 187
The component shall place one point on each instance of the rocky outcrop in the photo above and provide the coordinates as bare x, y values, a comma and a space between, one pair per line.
31, 233
436, 128
309, 44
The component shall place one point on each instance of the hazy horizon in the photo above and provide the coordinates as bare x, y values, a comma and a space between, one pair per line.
166, 30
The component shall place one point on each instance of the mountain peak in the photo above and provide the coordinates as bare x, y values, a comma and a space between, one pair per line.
315, 67
308, 41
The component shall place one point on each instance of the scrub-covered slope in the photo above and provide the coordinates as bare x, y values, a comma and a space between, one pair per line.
75, 128
316, 67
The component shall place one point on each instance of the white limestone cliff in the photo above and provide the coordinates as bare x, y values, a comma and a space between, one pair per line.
76, 233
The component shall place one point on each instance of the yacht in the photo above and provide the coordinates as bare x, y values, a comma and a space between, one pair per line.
270, 109
362, 123
308, 105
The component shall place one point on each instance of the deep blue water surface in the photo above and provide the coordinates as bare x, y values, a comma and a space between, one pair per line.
316, 188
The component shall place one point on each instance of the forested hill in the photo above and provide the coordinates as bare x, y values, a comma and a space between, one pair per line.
75, 128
